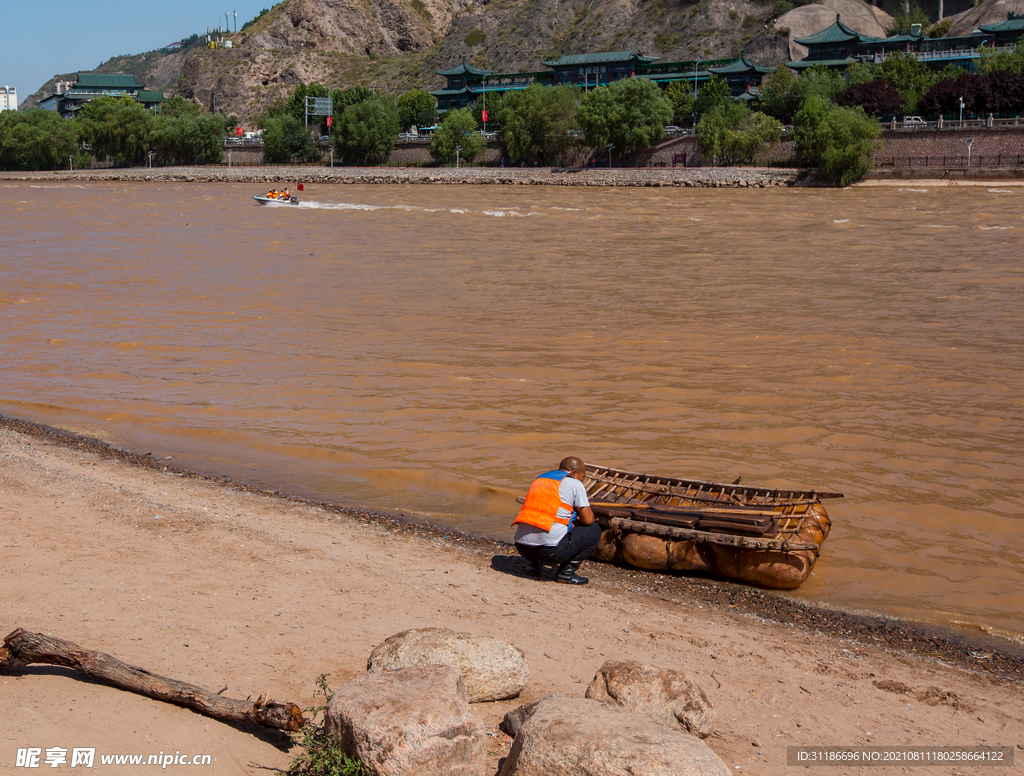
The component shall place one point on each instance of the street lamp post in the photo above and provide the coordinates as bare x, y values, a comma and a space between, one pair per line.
610, 147
485, 105
457, 149
961, 111
695, 66
71, 164
332, 156
970, 142
215, 95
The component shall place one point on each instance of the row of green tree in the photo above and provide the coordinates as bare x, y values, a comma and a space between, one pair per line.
115, 128
903, 85
538, 124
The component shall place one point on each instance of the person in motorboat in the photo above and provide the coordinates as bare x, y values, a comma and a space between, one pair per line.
287, 195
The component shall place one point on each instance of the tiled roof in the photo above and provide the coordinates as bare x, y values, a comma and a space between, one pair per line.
741, 65
1013, 22
599, 58
145, 96
463, 69
837, 33
800, 64
108, 81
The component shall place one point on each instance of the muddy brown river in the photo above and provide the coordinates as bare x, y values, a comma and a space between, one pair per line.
429, 349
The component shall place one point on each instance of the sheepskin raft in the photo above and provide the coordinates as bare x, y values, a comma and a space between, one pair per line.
763, 536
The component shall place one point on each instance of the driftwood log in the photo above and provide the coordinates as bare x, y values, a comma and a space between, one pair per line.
21, 647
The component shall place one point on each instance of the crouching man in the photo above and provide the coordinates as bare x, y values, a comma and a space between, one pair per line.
556, 525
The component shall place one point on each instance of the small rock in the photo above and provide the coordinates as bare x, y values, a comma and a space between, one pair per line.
493, 670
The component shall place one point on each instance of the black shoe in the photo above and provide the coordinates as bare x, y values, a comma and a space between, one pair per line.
567, 574
535, 570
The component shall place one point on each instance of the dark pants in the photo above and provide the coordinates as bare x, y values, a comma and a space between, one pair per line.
575, 545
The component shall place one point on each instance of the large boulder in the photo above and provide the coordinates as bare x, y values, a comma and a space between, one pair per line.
576, 736
661, 693
493, 670
514, 719
409, 722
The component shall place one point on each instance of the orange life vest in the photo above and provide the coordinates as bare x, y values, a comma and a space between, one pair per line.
542, 503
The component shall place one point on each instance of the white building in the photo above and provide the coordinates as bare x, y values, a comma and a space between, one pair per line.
8, 98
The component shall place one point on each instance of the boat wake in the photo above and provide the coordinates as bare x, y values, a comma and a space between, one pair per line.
357, 206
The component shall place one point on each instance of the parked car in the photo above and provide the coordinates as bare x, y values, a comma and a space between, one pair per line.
909, 122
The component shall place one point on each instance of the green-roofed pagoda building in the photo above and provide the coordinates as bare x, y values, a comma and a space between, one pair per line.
835, 46
467, 84
89, 86
598, 69
839, 46
1005, 33
743, 75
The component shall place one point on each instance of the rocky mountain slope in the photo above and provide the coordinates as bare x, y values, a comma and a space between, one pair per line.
395, 45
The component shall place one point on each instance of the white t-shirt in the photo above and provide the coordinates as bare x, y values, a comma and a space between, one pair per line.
571, 491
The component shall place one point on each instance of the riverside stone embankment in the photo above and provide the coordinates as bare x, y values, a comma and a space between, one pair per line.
702, 177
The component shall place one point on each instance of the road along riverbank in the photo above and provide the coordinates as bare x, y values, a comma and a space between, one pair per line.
225, 583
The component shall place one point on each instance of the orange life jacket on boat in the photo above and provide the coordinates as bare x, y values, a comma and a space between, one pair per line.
542, 503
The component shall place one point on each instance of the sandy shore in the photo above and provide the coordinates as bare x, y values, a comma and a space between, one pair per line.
223, 585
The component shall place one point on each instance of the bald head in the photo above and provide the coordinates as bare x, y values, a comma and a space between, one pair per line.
573, 465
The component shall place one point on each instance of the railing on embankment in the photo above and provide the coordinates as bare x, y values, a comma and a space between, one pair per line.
977, 160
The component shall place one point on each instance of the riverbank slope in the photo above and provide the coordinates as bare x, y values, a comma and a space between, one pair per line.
223, 585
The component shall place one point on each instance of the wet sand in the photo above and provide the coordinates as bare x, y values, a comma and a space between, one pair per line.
221, 583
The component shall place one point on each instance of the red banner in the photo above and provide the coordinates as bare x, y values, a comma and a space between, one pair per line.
485, 115
330, 120
238, 131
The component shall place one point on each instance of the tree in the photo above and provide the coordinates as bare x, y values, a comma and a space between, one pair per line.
353, 96
367, 131
188, 138
457, 129
38, 139
859, 73
539, 124
178, 106
119, 128
907, 74
681, 98
285, 138
995, 60
417, 107
711, 93
731, 134
778, 94
631, 113
943, 98
818, 81
906, 17
841, 141
878, 98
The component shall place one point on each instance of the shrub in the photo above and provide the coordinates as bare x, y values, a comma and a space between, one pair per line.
475, 38
539, 124
417, 107
38, 139
841, 141
457, 129
631, 113
367, 131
